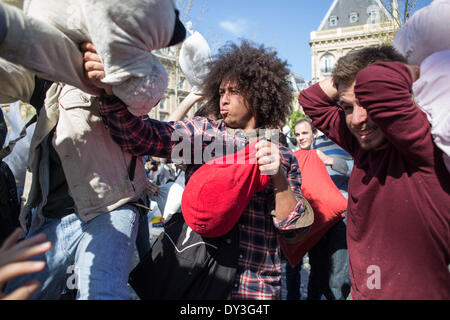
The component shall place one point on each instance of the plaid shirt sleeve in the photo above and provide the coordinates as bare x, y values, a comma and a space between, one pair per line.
138, 136
144, 136
289, 165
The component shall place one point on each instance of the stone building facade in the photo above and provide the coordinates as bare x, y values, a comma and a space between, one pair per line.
348, 25
178, 87
17, 3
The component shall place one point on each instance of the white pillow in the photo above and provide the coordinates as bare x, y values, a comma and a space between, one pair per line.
194, 55
426, 32
124, 33
432, 94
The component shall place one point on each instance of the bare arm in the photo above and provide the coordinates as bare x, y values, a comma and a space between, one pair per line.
184, 107
285, 201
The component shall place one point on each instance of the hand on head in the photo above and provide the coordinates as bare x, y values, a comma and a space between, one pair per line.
13, 256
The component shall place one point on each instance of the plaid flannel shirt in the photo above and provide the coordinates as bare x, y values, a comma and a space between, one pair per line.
259, 270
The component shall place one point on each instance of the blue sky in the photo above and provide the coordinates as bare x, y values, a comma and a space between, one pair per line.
284, 25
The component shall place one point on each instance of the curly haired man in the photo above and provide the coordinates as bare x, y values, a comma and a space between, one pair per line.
248, 91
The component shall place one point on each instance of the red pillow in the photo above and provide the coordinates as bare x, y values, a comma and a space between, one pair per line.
324, 197
219, 191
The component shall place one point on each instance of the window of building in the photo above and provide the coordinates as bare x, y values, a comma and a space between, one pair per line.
162, 103
164, 51
332, 21
354, 17
327, 63
172, 51
181, 84
374, 14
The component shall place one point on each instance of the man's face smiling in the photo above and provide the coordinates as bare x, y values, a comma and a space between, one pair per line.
304, 135
234, 107
358, 122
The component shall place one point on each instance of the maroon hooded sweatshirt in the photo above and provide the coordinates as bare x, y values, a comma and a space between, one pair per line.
399, 198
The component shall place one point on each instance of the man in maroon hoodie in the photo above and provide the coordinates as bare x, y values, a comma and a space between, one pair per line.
399, 191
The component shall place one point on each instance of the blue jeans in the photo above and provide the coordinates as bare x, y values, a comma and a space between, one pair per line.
93, 257
329, 276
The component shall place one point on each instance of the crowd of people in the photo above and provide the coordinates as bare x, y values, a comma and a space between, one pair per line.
365, 195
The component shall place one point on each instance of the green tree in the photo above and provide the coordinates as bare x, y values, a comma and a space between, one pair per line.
294, 117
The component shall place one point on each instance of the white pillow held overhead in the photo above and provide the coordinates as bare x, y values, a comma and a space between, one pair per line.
195, 53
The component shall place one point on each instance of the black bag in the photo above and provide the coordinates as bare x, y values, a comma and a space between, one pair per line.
184, 265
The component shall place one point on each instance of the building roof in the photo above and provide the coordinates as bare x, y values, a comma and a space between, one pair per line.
297, 82
347, 13
17, 3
